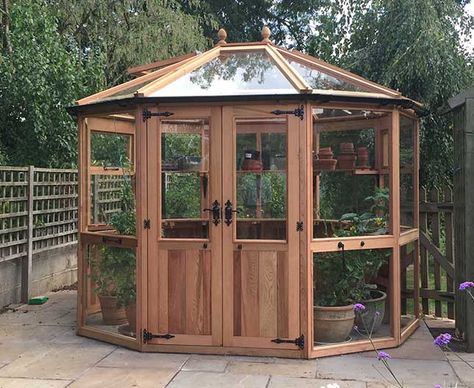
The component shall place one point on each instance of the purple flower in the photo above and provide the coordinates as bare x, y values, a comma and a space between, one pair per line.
464, 286
442, 340
383, 356
438, 386
359, 307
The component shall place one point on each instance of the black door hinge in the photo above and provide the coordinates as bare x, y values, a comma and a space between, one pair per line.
149, 114
146, 224
298, 112
297, 341
147, 336
299, 226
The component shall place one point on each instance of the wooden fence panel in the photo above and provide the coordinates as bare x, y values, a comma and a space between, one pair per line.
436, 252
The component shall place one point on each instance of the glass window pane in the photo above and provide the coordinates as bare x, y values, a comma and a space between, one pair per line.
342, 279
185, 178
261, 184
111, 289
407, 283
320, 80
407, 173
250, 72
350, 170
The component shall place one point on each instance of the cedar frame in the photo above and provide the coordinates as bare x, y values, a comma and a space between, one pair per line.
307, 245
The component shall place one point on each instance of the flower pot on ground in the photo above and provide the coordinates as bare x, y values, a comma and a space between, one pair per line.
111, 313
333, 324
370, 320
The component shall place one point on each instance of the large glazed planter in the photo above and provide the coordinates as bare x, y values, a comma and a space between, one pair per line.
333, 324
372, 317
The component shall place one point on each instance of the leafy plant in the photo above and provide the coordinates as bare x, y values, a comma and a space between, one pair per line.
343, 278
114, 269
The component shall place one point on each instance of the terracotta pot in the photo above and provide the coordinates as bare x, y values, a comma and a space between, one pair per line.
131, 312
346, 164
347, 157
111, 314
252, 165
374, 312
333, 324
324, 164
347, 147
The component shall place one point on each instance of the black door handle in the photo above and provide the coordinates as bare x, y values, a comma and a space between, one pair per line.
216, 212
228, 212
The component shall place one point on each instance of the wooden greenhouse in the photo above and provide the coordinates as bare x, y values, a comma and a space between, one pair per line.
242, 200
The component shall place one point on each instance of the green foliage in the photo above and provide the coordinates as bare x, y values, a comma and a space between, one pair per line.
38, 79
109, 149
342, 278
114, 269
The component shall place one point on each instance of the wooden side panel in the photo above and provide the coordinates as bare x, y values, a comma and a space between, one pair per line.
268, 293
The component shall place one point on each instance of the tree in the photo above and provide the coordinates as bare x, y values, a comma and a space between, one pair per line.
127, 33
415, 47
38, 80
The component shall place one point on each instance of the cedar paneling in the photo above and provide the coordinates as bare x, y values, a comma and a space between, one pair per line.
237, 294
250, 294
282, 285
177, 291
268, 293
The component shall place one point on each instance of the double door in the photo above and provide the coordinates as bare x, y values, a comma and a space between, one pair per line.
223, 201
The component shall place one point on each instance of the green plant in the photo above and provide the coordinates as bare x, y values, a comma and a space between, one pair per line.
343, 277
114, 269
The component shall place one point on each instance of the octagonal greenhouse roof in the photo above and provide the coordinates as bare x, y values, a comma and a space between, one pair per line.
242, 69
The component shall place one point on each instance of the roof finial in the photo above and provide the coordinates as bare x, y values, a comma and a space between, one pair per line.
266, 34
221, 34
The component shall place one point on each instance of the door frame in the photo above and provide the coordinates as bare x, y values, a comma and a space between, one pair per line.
160, 286
294, 125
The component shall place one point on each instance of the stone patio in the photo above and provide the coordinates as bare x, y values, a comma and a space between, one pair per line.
39, 348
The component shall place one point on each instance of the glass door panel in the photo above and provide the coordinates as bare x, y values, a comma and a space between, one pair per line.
261, 179
185, 178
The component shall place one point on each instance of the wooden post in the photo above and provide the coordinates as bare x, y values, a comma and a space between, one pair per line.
27, 262
463, 115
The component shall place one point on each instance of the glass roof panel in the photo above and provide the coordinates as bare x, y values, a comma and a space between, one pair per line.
232, 73
319, 80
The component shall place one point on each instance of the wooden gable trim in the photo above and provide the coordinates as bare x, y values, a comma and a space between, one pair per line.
146, 68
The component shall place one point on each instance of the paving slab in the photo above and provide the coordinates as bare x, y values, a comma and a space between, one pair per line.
307, 370
6, 382
292, 382
217, 380
413, 349
205, 363
465, 371
56, 362
124, 378
124, 358
355, 367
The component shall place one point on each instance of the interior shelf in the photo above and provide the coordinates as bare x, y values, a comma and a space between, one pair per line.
356, 171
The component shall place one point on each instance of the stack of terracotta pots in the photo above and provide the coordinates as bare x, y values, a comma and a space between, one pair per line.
347, 157
252, 161
363, 157
325, 160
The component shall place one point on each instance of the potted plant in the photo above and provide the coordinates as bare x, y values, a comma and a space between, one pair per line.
124, 223
367, 263
113, 270
102, 266
333, 309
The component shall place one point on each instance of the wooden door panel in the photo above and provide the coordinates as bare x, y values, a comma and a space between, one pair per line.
181, 303
260, 294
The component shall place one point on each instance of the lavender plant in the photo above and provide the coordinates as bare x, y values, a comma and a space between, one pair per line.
382, 356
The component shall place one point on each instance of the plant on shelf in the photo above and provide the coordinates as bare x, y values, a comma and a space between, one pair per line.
347, 277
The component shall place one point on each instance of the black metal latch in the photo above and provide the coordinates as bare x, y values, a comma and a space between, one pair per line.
147, 336
299, 226
297, 341
298, 112
149, 114
146, 224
